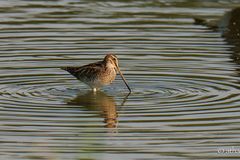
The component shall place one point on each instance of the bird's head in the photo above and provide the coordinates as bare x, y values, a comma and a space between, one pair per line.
112, 60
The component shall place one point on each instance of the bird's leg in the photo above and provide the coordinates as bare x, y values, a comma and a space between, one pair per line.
94, 90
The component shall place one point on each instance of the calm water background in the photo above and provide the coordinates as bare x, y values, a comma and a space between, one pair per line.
186, 92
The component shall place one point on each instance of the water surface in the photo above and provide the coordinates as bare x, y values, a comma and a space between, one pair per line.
185, 100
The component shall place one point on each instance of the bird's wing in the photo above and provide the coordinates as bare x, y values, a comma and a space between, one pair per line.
87, 71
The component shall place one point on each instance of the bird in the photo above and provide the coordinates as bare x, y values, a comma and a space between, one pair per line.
98, 74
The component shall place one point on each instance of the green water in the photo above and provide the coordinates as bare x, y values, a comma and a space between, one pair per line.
185, 100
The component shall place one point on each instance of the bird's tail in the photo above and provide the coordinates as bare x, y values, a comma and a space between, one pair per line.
64, 68
71, 70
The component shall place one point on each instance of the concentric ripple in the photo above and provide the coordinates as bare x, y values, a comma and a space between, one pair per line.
186, 91
165, 90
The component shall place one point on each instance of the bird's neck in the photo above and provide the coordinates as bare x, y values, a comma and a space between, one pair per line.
109, 65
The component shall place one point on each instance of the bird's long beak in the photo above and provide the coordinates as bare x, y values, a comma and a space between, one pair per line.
124, 80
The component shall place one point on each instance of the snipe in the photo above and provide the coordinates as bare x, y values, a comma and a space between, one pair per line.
99, 73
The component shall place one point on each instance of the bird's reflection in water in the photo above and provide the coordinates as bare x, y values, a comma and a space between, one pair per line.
99, 101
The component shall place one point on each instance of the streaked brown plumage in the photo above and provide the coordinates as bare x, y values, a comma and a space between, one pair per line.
99, 73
